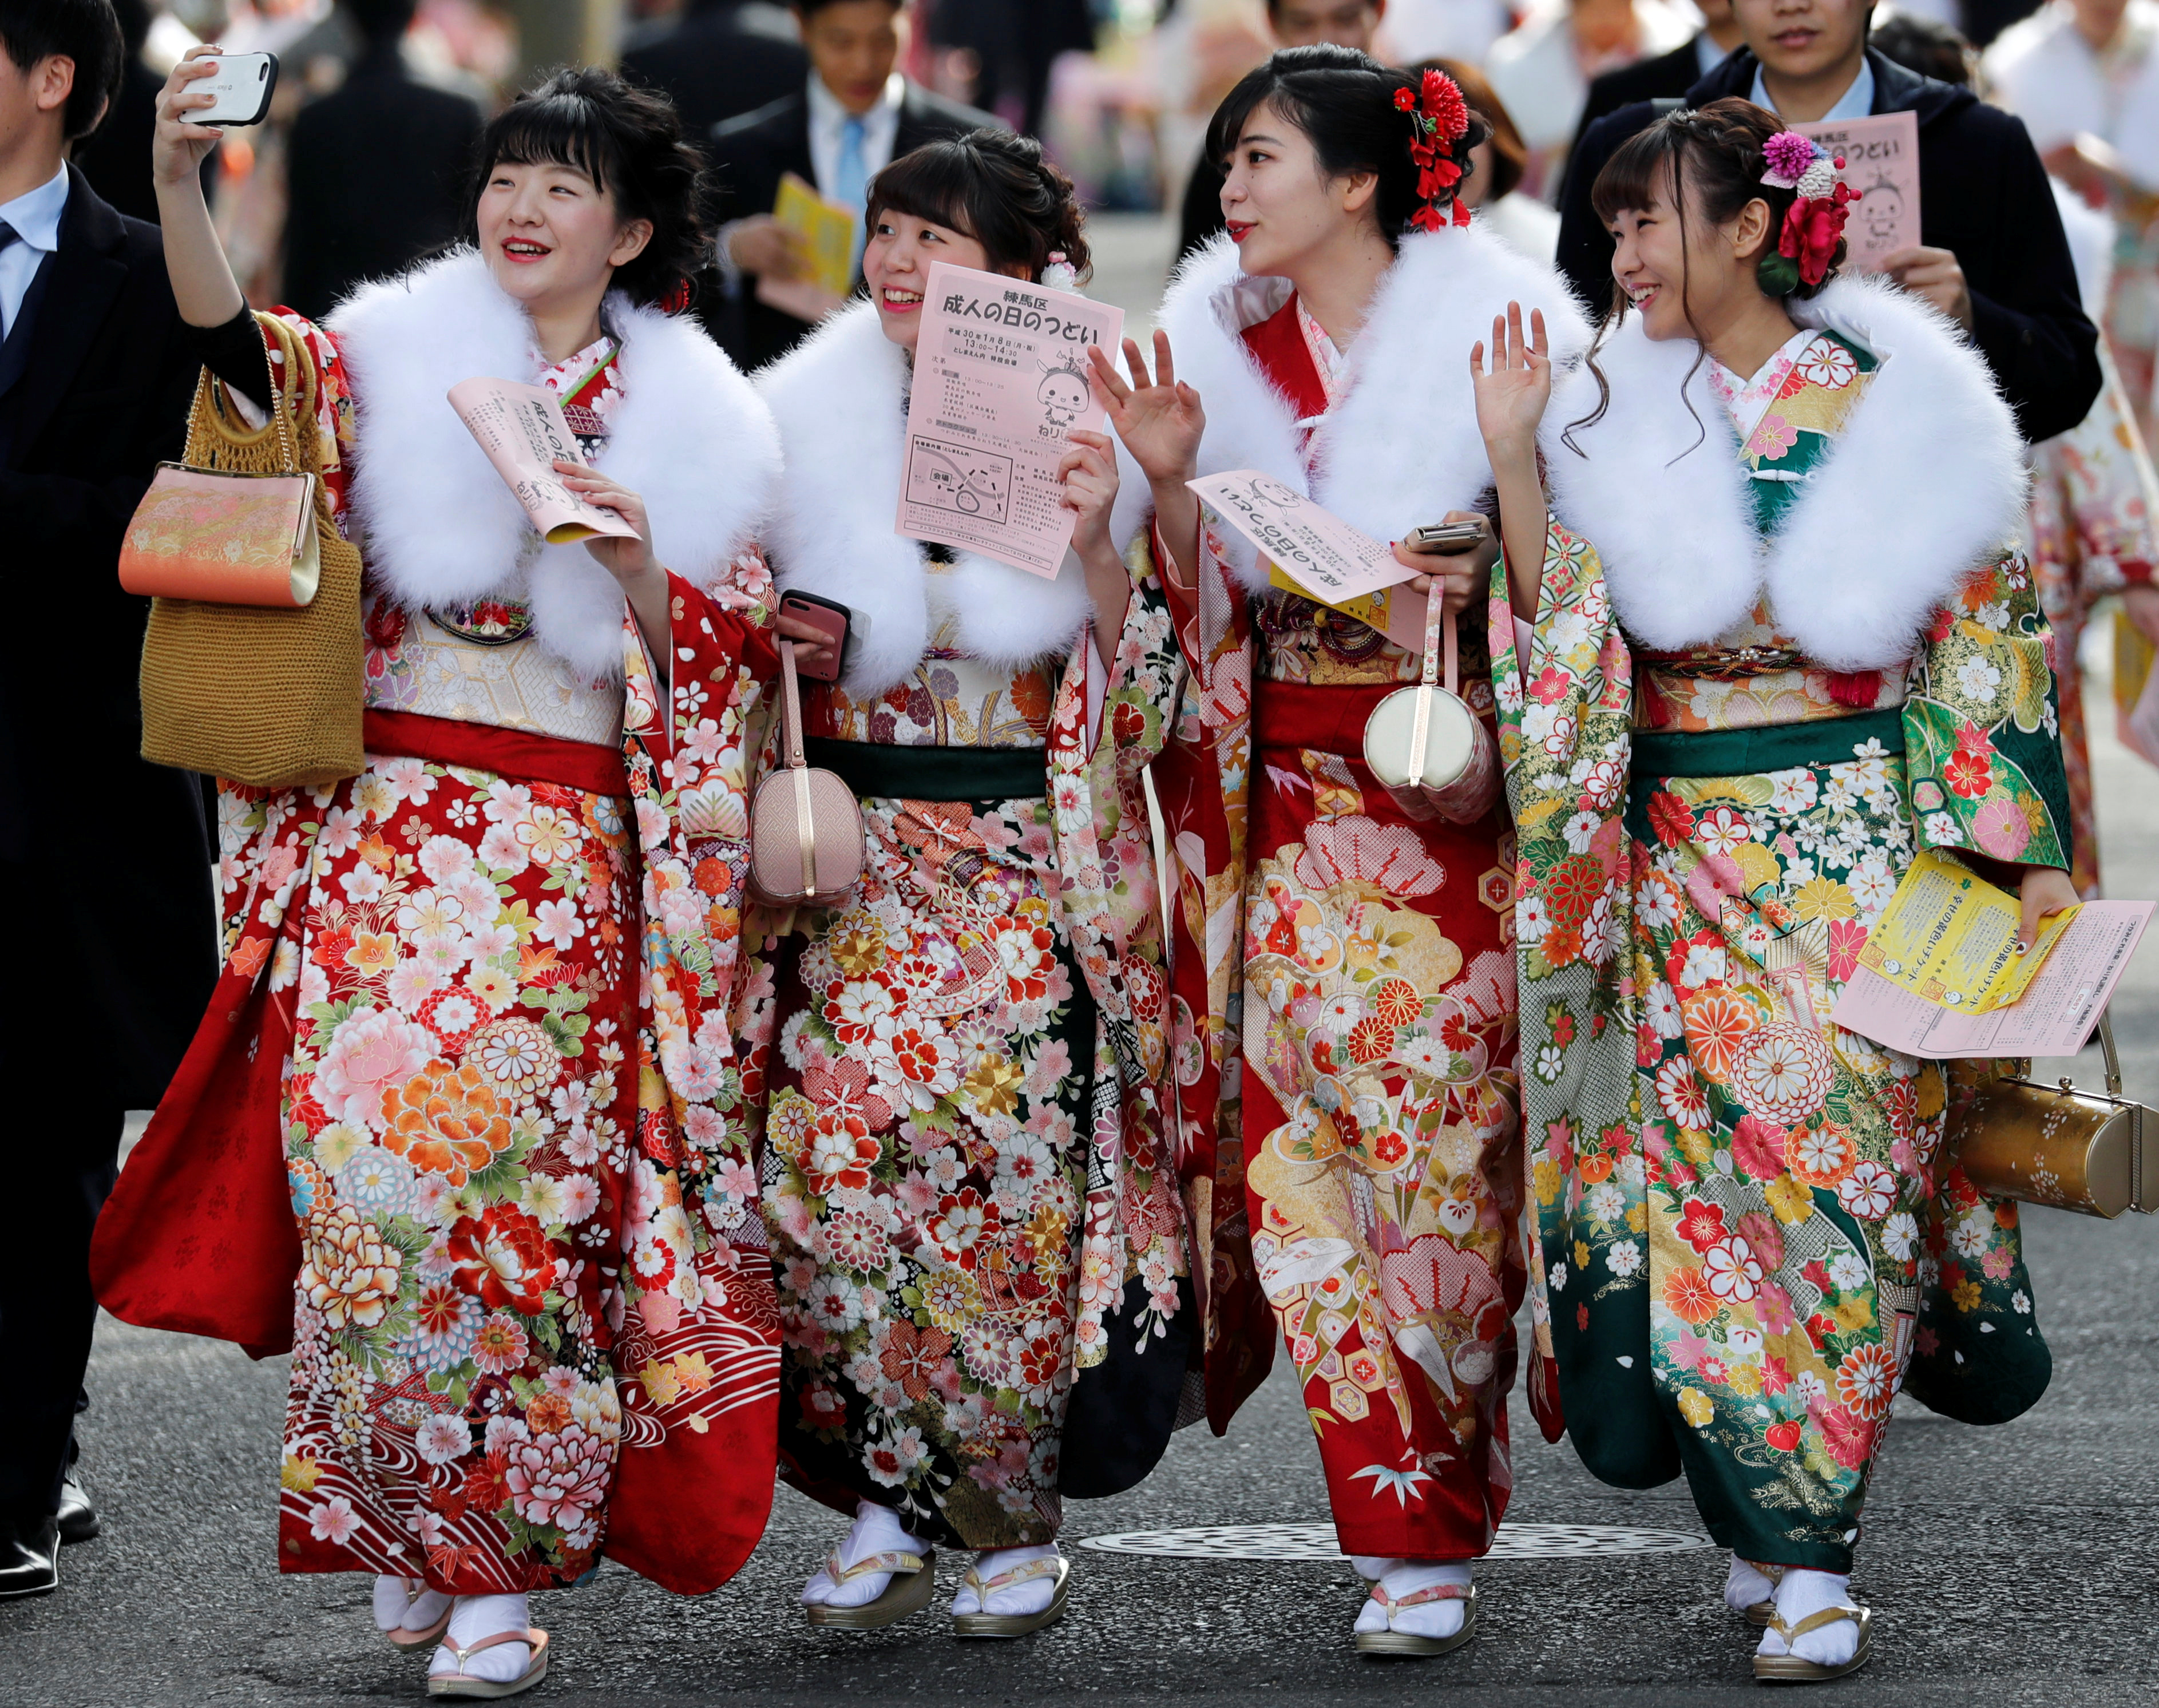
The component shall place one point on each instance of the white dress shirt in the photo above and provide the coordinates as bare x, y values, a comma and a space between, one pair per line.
1855, 102
36, 218
828, 119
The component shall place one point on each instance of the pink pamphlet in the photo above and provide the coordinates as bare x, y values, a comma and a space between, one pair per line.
1882, 163
522, 430
1000, 382
2054, 1018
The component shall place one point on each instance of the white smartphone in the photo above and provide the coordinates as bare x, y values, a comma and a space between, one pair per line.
242, 84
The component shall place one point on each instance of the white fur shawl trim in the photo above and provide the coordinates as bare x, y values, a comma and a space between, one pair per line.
691, 438
1402, 447
1926, 480
837, 399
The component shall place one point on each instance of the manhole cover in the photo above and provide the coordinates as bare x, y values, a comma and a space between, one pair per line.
1317, 1542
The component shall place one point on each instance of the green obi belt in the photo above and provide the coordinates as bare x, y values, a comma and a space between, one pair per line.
1659, 754
877, 772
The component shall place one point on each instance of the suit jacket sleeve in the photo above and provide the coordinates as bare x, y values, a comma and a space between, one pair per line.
1585, 246
2025, 316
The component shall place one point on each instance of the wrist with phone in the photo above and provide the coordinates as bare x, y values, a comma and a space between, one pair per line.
240, 88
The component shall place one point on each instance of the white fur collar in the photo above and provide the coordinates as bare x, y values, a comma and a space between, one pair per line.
691, 438
1402, 447
837, 398
1926, 480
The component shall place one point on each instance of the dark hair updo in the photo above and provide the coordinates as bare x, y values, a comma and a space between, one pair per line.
1717, 151
1345, 103
992, 186
629, 140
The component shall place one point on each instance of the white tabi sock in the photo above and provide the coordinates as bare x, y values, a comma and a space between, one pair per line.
392, 1597
877, 1530
1398, 1578
476, 1617
1803, 1592
1746, 1585
1016, 1600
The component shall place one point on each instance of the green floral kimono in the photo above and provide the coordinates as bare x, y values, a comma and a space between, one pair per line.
1750, 1230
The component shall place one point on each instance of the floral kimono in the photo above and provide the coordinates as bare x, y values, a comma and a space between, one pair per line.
461, 1128
2091, 533
963, 1066
1773, 656
1344, 995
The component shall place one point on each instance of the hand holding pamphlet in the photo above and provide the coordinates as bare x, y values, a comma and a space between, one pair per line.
1940, 976
826, 230
521, 429
1882, 163
999, 383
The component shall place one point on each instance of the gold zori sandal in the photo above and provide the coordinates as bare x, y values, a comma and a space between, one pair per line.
400, 1637
913, 1579
1791, 1669
1760, 1613
464, 1684
1410, 1643
986, 1624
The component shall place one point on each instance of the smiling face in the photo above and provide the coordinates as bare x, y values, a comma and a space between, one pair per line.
896, 265
1803, 39
1666, 270
551, 236
1279, 204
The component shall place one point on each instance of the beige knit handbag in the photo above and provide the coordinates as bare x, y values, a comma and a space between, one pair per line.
268, 695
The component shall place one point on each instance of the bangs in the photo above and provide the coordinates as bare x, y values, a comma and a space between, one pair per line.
936, 183
1238, 106
562, 129
1638, 175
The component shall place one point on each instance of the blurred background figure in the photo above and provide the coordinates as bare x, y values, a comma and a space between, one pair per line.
850, 116
117, 158
1492, 193
723, 59
1290, 24
2084, 75
375, 171
1666, 76
1542, 68
997, 55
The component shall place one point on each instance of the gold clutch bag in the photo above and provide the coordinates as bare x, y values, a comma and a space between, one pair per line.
2066, 1149
252, 660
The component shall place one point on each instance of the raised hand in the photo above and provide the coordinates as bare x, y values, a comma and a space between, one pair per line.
177, 145
1159, 419
1512, 394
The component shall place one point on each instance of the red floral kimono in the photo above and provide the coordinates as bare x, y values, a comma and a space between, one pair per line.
458, 1128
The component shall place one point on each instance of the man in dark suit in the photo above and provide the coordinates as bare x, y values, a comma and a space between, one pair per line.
854, 116
1991, 255
1668, 76
714, 67
116, 157
104, 859
375, 171
1293, 23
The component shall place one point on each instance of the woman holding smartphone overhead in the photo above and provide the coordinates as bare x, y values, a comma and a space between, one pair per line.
1351, 1146
1771, 645
474, 998
964, 1065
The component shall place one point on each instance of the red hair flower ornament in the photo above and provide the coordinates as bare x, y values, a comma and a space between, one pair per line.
1814, 222
1439, 122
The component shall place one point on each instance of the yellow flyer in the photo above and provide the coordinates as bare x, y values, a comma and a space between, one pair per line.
1373, 609
826, 228
1950, 937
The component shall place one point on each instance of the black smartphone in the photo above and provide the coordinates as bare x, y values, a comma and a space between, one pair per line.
1446, 539
831, 619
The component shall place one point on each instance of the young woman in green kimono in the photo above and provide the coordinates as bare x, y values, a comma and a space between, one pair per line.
1768, 646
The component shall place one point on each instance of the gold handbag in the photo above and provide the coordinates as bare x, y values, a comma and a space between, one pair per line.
806, 845
2056, 1146
265, 692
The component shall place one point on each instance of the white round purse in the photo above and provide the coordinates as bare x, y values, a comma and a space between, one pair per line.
1426, 737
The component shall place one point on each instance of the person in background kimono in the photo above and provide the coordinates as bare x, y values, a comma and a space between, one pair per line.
1343, 1001
1767, 645
461, 1126
964, 1065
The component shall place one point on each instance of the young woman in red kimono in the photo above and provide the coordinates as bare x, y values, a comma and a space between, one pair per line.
1352, 1092
460, 1126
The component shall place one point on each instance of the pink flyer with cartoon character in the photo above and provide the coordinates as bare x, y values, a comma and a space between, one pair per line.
1000, 382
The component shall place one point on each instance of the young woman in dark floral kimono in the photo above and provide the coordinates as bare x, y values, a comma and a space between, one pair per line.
975, 1222
1769, 644
1350, 1144
461, 1126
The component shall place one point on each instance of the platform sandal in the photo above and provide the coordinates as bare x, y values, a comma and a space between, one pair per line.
1792, 1669
987, 1624
914, 1581
1410, 1643
465, 1683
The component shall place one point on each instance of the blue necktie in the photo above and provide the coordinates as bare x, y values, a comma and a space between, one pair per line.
851, 178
